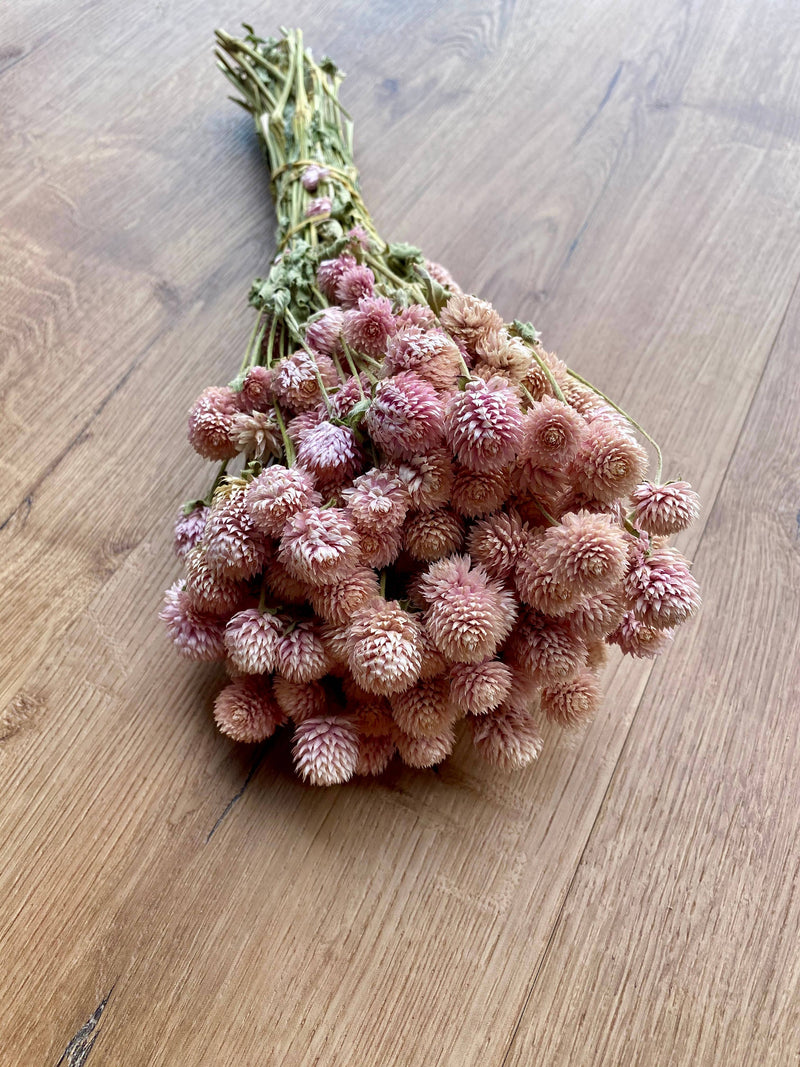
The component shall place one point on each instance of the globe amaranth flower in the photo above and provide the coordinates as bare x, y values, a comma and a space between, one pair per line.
596, 615
502, 354
324, 334
469, 614
609, 462
477, 494
300, 654
331, 453
197, 635
189, 529
375, 754
210, 423
584, 553
405, 417
383, 647
572, 702
636, 639
428, 478
497, 542
425, 708
325, 750
665, 509
319, 545
251, 641
378, 501
484, 424
661, 589
331, 270
336, 602
546, 649
256, 434
284, 587
369, 325
379, 550
416, 315
442, 275
299, 700
245, 710
256, 392
422, 752
429, 353
553, 433
507, 738
355, 283
277, 494
234, 546
429, 535
296, 380
478, 688
469, 319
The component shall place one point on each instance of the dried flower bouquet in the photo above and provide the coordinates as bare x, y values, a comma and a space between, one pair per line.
422, 522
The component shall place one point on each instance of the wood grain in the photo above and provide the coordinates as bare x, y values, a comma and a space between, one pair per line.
626, 175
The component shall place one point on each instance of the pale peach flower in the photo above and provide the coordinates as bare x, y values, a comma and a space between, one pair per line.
546, 649
337, 602
661, 590
636, 639
319, 545
300, 654
428, 478
429, 535
374, 755
325, 750
497, 542
377, 501
484, 424
245, 710
251, 640
257, 434
405, 417
469, 614
477, 494
299, 700
424, 709
665, 509
609, 462
572, 702
383, 644
469, 319
296, 380
210, 423
196, 634
478, 688
277, 494
421, 752
507, 738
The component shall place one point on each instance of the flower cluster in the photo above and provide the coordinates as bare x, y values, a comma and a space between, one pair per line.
425, 525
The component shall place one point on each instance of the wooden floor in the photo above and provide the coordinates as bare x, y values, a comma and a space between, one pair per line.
627, 174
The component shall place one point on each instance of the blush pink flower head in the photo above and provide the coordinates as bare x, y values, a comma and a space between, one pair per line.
416, 315
384, 651
573, 702
380, 549
312, 175
537, 586
477, 688
369, 325
256, 434
405, 416
319, 545
422, 752
442, 275
469, 319
429, 535
301, 424
338, 601
661, 589
299, 700
497, 542
469, 614
428, 478
429, 353
425, 709
330, 452
477, 494
296, 381
300, 654
207, 589
189, 529
324, 334
553, 433
504, 355
256, 394
277, 494
210, 423
378, 501
331, 270
355, 283
320, 205
251, 640
547, 650
585, 553
608, 463
636, 639
483, 424
245, 710
375, 754
507, 738
596, 615
196, 634
234, 546
325, 750
665, 509
359, 238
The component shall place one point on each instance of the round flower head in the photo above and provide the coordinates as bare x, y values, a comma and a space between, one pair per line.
442, 275
312, 176
468, 613
325, 750
256, 394
355, 283
428, 479
584, 553
553, 433
536, 381
374, 755
596, 656
546, 649
257, 434
359, 238
383, 647
597, 615
661, 589
189, 529
331, 270
665, 509
524, 692
405, 416
331, 453
234, 546
320, 205
196, 634
378, 501
573, 702
497, 542
433, 662
285, 589
429, 535
469, 319
484, 424
251, 639
543, 484
301, 424
369, 325
422, 752
277, 494
507, 738
537, 587
319, 545
378, 549
478, 688
429, 353
479, 494
425, 710
609, 462
505, 355
336, 602
210, 423
298, 700
416, 315
324, 334
296, 380
300, 654
371, 714
636, 639
245, 710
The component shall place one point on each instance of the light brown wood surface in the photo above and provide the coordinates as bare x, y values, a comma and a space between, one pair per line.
625, 173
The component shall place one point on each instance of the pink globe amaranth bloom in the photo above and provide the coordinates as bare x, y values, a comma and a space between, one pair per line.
661, 589
277, 494
422, 752
298, 700
585, 553
536, 381
251, 640
428, 478
429, 353
442, 275
300, 654
546, 649
256, 394
234, 546
295, 382
507, 738
553, 433
371, 714
537, 586
636, 639
425, 709
331, 453
497, 542
245, 710
469, 319
336, 602
573, 500
325, 750
374, 755
352, 391
359, 238
380, 550
189, 529
479, 494
256, 434
609, 462
484, 424
504, 355
477, 688
405, 417
210, 423
196, 634
319, 545
524, 692
285, 588
209, 590
433, 662
378, 501
665, 509
383, 647
324, 334
416, 315
369, 325
312, 176
429, 535
572, 702
320, 205
355, 283
301, 424
540, 485
334, 638
596, 615
469, 614
331, 270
